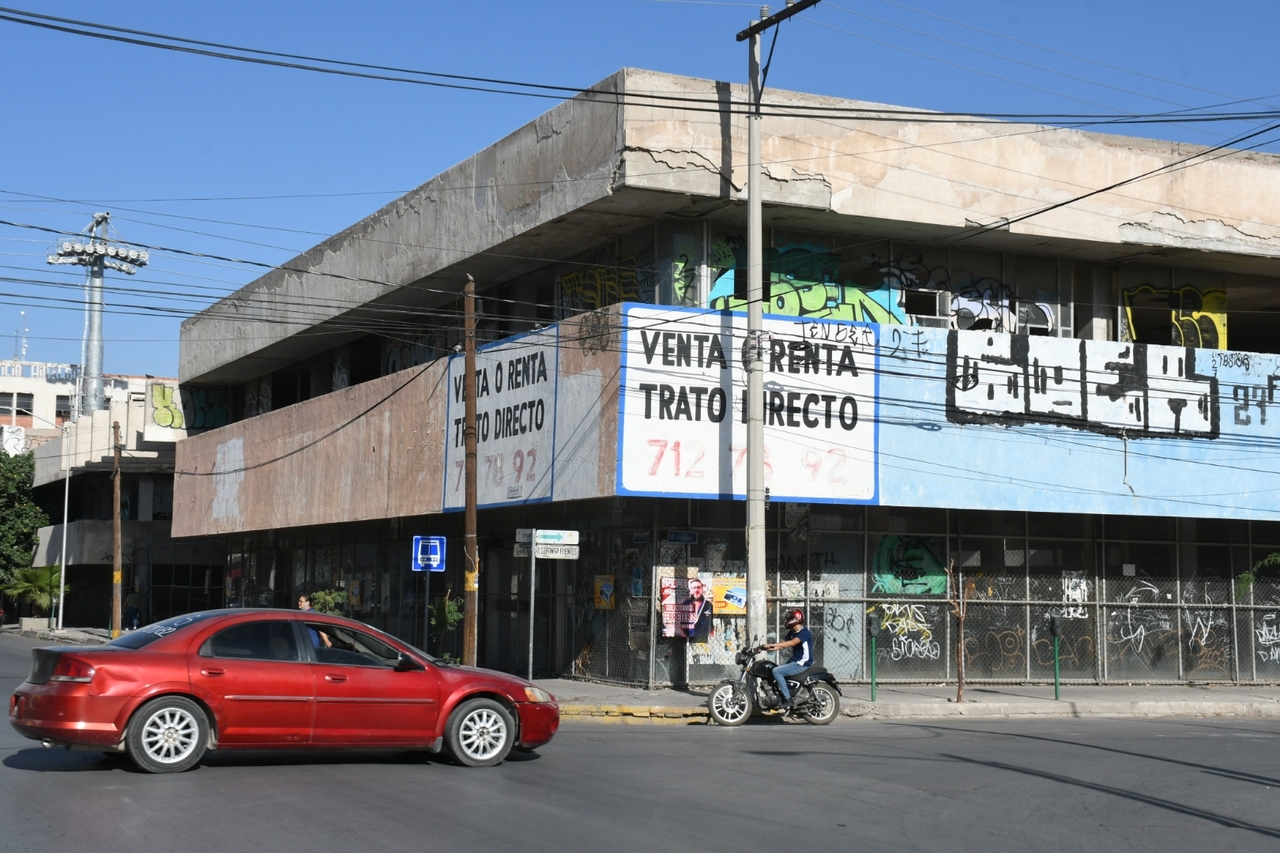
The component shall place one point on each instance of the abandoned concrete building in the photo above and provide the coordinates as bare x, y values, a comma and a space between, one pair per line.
1070, 397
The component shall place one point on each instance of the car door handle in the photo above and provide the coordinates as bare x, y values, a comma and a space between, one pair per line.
212, 672
336, 679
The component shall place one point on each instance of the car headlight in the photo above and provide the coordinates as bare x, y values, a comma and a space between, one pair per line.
537, 694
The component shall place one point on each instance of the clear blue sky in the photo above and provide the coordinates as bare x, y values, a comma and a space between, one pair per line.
142, 132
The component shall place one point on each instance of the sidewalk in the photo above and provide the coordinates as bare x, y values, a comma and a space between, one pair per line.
604, 703
66, 637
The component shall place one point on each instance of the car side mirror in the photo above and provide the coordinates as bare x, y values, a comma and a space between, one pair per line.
407, 664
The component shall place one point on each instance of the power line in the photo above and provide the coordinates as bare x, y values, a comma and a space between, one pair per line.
553, 91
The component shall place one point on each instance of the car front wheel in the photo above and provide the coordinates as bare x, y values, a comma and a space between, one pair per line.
481, 732
168, 735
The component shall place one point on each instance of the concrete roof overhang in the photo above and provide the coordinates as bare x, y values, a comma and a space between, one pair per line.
592, 169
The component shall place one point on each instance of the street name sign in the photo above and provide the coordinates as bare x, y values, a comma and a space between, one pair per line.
543, 551
547, 537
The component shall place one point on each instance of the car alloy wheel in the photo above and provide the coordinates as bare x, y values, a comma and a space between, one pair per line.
481, 733
168, 735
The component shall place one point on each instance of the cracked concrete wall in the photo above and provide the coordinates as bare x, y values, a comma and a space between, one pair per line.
552, 166
317, 463
952, 173
377, 450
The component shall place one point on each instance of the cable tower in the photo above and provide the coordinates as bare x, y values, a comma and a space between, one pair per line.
99, 254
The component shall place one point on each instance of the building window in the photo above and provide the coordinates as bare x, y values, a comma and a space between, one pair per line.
26, 404
62, 410
6, 403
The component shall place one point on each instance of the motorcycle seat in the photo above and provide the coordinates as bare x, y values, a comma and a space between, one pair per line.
812, 672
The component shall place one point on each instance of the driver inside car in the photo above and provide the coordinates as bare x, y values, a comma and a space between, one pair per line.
800, 641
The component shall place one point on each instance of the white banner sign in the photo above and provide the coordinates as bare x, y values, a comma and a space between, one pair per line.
683, 411
515, 422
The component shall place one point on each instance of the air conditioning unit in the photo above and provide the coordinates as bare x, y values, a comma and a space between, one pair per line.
928, 307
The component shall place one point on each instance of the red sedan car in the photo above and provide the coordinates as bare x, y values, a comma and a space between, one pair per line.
269, 679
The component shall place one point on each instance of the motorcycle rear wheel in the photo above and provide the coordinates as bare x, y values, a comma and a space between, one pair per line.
729, 705
824, 707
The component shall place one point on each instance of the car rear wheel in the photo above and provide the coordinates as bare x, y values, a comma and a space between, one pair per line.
168, 735
481, 732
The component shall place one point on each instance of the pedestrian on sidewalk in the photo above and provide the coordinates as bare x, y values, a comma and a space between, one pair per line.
132, 609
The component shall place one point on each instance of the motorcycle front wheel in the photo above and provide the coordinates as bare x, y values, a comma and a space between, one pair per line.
825, 706
729, 704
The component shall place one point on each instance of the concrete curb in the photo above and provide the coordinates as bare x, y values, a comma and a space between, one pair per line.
1060, 709
667, 715
632, 714
72, 638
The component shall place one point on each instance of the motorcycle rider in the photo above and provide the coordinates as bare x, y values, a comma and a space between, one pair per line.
800, 641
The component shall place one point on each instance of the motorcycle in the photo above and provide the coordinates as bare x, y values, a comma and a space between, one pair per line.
814, 691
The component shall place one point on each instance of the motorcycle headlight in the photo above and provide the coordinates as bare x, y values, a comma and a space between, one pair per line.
537, 694
740, 658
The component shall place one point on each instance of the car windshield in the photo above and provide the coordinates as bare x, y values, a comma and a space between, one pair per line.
144, 636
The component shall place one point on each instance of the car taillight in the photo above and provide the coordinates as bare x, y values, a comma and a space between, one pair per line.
71, 669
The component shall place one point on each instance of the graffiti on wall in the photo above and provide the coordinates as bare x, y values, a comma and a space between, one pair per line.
13, 439
685, 254
805, 281
1266, 638
907, 565
165, 412
909, 631
1197, 318
165, 420
597, 280
401, 355
206, 408
257, 397
1109, 387
173, 412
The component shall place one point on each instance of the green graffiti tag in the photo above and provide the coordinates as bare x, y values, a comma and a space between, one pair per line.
906, 565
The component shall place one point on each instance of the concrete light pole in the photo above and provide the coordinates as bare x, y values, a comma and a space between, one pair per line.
752, 351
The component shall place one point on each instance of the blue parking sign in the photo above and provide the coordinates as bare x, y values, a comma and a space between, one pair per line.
428, 554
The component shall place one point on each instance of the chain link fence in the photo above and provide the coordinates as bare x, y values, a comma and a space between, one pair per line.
1118, 624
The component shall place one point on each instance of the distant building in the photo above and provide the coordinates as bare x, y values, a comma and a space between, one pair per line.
173, 577
36, 398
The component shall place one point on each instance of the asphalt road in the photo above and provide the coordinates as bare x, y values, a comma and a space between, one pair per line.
1094, 785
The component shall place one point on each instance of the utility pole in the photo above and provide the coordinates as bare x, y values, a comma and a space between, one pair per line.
98, 254
753, 351
471, 589
117, 569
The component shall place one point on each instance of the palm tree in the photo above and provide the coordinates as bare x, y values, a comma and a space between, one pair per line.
39, 585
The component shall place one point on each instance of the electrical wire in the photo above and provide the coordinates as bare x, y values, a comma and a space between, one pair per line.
538, 90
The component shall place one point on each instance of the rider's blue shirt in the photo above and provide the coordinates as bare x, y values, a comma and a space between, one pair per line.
802, 652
